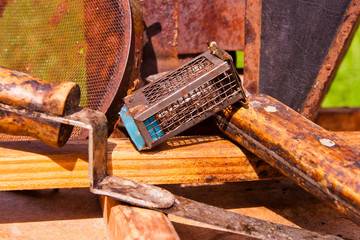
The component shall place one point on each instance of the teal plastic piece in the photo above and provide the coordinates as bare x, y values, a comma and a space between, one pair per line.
153, 127
132, 129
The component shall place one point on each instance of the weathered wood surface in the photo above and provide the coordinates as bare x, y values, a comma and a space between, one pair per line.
339, 119
76, 214
34, 165
23, 91
318, 160
19, 125
133, 223
20, 90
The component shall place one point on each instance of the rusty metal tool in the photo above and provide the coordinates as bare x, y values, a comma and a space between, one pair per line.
101, 182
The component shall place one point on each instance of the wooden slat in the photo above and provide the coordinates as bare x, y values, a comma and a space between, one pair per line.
34, 165
126, 222
339, 119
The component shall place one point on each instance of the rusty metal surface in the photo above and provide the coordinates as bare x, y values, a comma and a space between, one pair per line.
131, 79
319, 161
240, 224
87, 42
217, 20
252, 45
160, 53
169, 22
332, 61
182, 98
108, 34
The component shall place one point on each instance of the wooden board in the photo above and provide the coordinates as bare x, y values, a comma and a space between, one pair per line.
34, 165
339, 119
133, 223
51, 215
76, 214
280, 201
210, 159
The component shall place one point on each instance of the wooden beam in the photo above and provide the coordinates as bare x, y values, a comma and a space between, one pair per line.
316, 159
126, 222
34, 165
339, 119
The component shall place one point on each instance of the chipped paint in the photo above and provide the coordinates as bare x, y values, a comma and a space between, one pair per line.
270, 109
327, 142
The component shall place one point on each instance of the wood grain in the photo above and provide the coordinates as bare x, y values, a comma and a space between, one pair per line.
133, 223
23, 91
34, 165
318, 160
339, 119
208, 159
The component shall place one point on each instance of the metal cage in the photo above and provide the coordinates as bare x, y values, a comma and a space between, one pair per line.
181, 99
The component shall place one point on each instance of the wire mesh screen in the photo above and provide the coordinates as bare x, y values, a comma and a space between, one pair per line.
84, 41
193, 105
159, 89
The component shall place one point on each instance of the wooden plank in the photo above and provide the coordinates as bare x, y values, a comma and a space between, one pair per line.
318, 160
339, 119
34, 165
76, 214
133, 223
51, 215
208, 159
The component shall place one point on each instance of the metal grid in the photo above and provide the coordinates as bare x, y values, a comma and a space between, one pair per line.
62, 40
161, 88
153, 127
194, 105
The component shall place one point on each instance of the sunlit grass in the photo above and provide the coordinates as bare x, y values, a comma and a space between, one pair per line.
345, 89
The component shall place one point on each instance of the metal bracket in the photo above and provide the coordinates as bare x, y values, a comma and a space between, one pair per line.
101, 182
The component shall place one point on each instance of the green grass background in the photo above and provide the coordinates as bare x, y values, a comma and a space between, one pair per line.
345, 89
